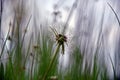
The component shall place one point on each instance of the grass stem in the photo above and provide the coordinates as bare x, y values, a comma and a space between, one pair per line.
51, 63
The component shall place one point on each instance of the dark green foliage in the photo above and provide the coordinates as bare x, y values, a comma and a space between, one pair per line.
2, 77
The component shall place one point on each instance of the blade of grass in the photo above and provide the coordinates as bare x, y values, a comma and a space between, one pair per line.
2, 71
27, 51
114, 13
69, 16
113, 67
31, 78
1, 11
25, 31
51, 63
4, 43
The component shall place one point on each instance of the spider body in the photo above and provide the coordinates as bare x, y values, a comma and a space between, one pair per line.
60, 38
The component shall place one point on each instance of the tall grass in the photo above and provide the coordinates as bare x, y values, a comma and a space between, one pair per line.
38, 63
114, 71
39, 59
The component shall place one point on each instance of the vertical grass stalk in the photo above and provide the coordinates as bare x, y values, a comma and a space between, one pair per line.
51, 63
114, 13
32, 65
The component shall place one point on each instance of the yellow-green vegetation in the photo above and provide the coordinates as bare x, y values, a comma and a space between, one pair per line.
39, 60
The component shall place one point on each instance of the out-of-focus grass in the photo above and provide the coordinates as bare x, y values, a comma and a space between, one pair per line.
16, 67
34, 64
76, 72
38, 60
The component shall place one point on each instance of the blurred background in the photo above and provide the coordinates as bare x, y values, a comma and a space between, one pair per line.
91, 26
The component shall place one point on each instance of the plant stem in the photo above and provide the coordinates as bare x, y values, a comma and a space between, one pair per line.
4, 44
32, 67
51, 63
114, 13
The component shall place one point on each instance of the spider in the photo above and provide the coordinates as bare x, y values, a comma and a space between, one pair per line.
60, 38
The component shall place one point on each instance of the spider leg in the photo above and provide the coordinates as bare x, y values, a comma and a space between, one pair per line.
63, 49
54, 30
